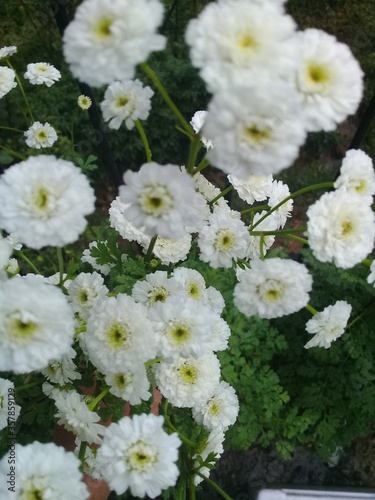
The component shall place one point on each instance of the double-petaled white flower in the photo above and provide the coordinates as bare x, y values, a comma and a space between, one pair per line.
42, 73
7, 51
7, 83
40, 135
357, 175
255, 188
130, 385
84, 291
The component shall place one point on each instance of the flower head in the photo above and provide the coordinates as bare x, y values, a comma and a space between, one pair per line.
7, 83
40, 135
357, 175
7, 51
42, 73
84, 102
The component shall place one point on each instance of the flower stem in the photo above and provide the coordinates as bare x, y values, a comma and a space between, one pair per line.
22, 91
27, 386
261, 247
203, 164
278, 232
296, 238
20, 254
223, 193
195, 146
311, 309
191, 487
173, 428
11, 128
150, 249
61, 265
151, 362
367, 262
214, 485
13, 153
255, 209
82, 452
144, 140
152, 75
300, 192
91, 406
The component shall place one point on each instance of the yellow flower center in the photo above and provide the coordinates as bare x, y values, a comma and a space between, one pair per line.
103, 28
117, 336
122, 101
246, 41
179, 334
141, 456
188, 374
346, 227
317, 73
257, 134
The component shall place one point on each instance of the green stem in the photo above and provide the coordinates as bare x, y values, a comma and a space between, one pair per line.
367, 262
151, 362
150, 249
300, 192
203, 164
311, 309
296, 238
278, 232
20, 254
27, 386
152, 75
91, 406
22, 91
82, 452
11, 128
61, 265
144, 139
214, 485
191, 487
13, 153
223, 193
243, 262
195, 147
183, 438
255, 209
261, 245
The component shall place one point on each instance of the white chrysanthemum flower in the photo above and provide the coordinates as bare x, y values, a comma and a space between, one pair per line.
14, 241
254, 188
329, 80
208, 190
7, 83
44, 201
42, 73
119, 334
162, 200
226, 238
7, 51
12, 266
43, 471
75, 416
215, 299
273, 288
214, 444
126, 101
279, 192
197, 123
132, 386
125, 228
62, 371
8, 408
89, 462
268, 224
328, 325
169, 251
84, 291
40, 135
371, 276
220, 411
157, 287
108, 38
86, 257
84, 102
220, 334
233, 43
193, 283
36, 324
256, 130
188, 382
357, 175
184, 327
341, 228
137, 453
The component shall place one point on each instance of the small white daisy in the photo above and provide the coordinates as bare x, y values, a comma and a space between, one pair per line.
130, 385
7, 51
42, 73
197, 123
84, 291
84, 102
40, 135
280, 191
255, 188
7, 83
357, 175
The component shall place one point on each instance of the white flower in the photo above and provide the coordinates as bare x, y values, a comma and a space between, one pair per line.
43, 471
7, 83
328, 325
75, 416
36, 324
254, 188
7, 51
126, 101
86, 257
220, 334
272, 288
279, 192
184, 327
215, 299
169, 251
214, 444
6, 250
42, 72
89, 462
84, 102
14, 242
226, 238
162, 200
371, 276
188, 382
62, 371
119, 334
157, 287
233, 43
40, 135
12, 266
45, 201
125, 228
256, 129
329, 80
341, 228
137, 453
357, 175
130, 385
84, 291
8, 408
220, 410
268, 224
192, 282
108, 38
197, 123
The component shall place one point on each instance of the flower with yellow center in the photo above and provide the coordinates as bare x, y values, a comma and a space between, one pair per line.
40, 135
